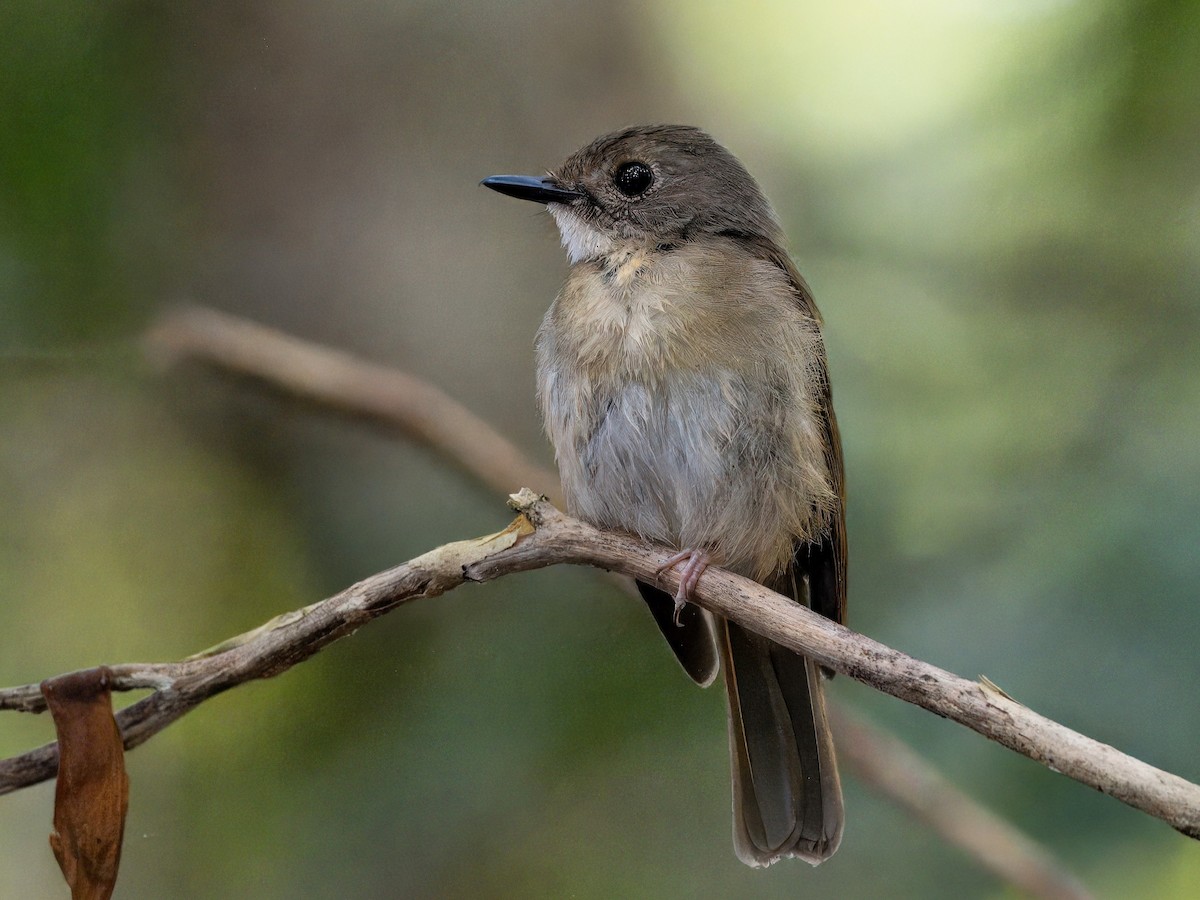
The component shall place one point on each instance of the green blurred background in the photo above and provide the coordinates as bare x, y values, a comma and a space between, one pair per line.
998, 206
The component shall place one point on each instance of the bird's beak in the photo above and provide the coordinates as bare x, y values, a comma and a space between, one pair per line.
525, 187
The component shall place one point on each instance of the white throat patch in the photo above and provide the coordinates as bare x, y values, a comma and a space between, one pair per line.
581, 239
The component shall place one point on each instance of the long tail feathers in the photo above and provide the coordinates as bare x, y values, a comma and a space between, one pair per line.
787, 797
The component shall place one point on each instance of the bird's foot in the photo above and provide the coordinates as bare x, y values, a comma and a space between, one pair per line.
689, 576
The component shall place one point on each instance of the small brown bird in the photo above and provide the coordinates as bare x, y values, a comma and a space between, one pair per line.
682, 380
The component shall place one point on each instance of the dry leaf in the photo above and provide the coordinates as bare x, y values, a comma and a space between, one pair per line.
92, 794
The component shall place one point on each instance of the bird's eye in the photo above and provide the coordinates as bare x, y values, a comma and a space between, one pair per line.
633, 178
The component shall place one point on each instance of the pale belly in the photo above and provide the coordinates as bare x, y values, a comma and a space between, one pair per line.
694, 460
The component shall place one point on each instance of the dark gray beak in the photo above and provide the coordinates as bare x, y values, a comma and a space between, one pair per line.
525, 187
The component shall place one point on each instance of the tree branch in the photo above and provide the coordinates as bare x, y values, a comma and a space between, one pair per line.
339, 383
268, 650
894, 770
542, 536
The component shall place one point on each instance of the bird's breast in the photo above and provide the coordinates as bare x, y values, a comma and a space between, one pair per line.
679, 407
626, 315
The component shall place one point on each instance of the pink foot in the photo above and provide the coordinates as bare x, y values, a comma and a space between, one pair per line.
689, 575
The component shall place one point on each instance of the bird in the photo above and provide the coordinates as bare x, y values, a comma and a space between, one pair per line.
683, 383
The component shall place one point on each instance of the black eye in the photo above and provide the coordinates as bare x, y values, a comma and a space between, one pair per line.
633, 178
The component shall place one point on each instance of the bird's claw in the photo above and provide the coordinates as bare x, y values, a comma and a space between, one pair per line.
689, 576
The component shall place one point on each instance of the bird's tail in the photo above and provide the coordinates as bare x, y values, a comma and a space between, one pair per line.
787, 797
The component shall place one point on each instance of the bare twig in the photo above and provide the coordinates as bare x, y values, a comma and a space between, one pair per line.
891, 767
542, 536
341, 383
268, 650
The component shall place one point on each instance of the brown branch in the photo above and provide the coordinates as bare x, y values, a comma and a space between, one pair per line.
542, 536
891, 767
268, 650
340, 383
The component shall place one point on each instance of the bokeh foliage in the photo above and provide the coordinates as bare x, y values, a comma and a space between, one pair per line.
999, 210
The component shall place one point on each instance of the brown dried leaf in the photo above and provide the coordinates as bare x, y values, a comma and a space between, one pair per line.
92, 794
